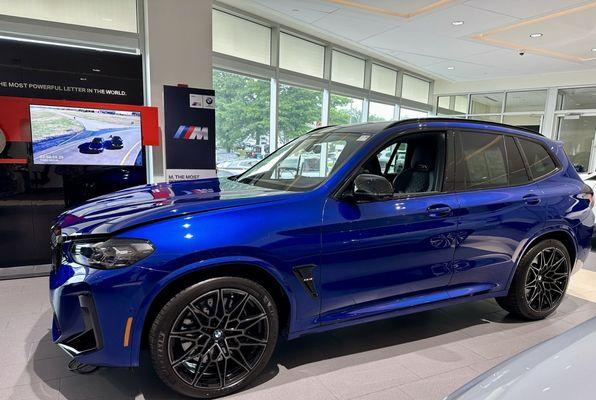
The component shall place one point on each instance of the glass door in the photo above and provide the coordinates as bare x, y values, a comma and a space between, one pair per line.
578, 134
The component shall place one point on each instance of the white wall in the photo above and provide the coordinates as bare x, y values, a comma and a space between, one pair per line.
178, 50
557, 79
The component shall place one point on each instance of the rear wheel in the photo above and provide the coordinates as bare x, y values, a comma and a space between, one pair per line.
540, 281
214, 337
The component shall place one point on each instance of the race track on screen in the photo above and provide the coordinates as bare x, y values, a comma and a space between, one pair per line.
65, 137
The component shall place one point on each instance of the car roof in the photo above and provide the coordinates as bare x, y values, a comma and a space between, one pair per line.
377, 127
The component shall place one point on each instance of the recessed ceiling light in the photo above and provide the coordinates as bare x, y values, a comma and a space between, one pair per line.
535, 35
451, 68
96, 70
457, 23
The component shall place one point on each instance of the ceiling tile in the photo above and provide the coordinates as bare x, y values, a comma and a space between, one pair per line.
307, 11
409, 39
343, 21
475, 20
523, 8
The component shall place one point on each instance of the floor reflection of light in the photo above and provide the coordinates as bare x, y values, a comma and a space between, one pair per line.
188, 236
186, 226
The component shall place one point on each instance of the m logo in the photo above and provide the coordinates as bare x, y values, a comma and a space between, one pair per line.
192, 132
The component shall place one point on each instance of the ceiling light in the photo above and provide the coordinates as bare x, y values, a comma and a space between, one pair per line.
451, 68
457, 23
96, 70
594, 49
535, 35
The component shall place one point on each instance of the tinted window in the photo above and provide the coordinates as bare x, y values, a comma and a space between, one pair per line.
482, 160
517, 170
538, 158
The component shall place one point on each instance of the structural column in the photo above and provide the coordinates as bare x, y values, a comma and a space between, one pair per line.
177, 49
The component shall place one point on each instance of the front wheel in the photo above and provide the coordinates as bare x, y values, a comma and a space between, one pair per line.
540, 281
214, 337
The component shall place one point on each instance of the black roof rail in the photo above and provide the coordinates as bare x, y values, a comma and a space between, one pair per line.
320, 127
447, 119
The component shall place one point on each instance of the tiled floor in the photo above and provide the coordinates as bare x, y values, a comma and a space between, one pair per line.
421, 356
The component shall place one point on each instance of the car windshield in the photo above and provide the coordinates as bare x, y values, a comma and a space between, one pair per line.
306, 162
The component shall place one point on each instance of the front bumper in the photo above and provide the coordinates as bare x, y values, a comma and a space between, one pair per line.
95, 310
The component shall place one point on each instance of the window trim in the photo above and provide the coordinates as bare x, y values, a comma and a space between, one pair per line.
337, 193
528, 171
558, 166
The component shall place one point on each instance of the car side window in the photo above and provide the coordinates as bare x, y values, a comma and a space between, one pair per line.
539, 161
481, 161
398, 160
518, 174
416, 163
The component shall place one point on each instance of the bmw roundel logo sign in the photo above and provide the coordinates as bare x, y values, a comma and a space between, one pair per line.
2, 141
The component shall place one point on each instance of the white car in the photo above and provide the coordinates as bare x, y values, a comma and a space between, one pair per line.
560, 368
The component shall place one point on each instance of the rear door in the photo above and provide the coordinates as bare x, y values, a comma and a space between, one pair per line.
500, 207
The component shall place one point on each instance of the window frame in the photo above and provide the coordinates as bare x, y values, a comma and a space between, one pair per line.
558, 166
448, 171
516, 138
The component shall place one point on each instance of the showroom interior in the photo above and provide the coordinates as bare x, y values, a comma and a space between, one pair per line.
259, 75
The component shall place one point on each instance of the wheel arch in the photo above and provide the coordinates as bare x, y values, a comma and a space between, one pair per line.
252, 270
563, 235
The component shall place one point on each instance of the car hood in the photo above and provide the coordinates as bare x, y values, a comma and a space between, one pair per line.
143, 204
562, 367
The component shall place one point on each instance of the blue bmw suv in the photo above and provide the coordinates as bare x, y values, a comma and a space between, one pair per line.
341, 226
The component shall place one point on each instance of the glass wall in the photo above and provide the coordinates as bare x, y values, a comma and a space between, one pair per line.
273, 84
415, 89
345, 110
347, 69
241, 117
300, 55
299, 112
380, 112
241, 38
383, 80
408, 113
578, 134
519, 108
118, 15
489, 103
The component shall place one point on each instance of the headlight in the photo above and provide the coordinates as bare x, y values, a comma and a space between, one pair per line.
112, 253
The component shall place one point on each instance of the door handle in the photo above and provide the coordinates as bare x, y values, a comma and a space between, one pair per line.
531, 199
438, 210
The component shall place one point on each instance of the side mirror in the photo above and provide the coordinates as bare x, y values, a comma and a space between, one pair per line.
372, 187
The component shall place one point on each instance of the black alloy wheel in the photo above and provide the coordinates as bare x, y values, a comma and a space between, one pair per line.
540, 281
214, 337
546, 280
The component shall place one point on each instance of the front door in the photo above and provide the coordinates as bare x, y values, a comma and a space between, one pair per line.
385, 255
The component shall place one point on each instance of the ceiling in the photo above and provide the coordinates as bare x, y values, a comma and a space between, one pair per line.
421, 33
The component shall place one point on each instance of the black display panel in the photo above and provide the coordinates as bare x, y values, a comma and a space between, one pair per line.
31, 194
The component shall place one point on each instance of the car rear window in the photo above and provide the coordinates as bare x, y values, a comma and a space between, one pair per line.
539, 160
518, 175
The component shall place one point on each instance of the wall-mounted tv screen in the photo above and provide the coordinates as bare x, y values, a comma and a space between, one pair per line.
85, 136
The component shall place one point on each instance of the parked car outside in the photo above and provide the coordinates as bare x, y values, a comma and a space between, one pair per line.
210, 273
236, 167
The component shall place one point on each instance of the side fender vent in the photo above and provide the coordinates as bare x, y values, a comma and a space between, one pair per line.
304, 275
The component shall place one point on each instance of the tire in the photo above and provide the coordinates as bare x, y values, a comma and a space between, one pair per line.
540, 282
204, 347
